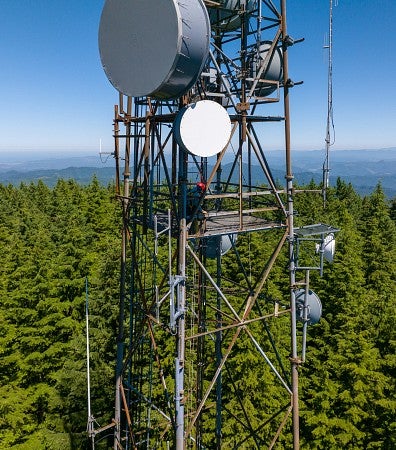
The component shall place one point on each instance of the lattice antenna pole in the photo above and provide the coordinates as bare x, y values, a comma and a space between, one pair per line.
290, 223
330, 124
181, 306
123, 269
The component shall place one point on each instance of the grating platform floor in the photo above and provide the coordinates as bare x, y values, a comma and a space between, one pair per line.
214, 224
229, 223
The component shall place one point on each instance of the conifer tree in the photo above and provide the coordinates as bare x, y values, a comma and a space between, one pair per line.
50, 243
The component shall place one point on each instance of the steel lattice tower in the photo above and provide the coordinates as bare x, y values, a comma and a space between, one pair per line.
202, 325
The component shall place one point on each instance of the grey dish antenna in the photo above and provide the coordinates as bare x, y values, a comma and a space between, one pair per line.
327, 247
154, 48
311, 303
228, 17
266, 69
219, 243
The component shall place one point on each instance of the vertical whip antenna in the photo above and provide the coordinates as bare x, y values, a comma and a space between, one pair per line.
90, 425
330, 130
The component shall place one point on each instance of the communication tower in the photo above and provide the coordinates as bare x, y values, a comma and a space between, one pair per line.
199, 320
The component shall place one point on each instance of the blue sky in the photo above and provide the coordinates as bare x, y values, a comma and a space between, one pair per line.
56, 97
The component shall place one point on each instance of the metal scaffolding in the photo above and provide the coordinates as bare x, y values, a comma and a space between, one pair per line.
202, 326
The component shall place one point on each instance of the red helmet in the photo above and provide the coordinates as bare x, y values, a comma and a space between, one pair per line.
201, 186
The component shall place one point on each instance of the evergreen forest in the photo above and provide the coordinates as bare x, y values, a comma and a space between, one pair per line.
54, 239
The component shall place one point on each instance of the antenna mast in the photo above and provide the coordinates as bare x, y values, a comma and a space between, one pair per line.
330, 123
90, 425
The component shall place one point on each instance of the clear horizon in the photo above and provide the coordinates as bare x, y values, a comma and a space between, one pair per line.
39, 155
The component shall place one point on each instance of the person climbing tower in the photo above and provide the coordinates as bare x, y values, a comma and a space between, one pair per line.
194, 202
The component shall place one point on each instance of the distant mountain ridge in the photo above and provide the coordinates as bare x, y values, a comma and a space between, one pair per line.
362, 168
20, 164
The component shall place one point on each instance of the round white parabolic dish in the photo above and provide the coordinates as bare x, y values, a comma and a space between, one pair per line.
202, 128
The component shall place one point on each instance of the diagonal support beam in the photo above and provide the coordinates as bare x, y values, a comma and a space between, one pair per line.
249, 305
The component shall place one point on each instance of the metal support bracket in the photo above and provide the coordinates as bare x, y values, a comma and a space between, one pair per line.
175, 281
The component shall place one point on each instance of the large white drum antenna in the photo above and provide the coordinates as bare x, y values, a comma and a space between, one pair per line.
154, 48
